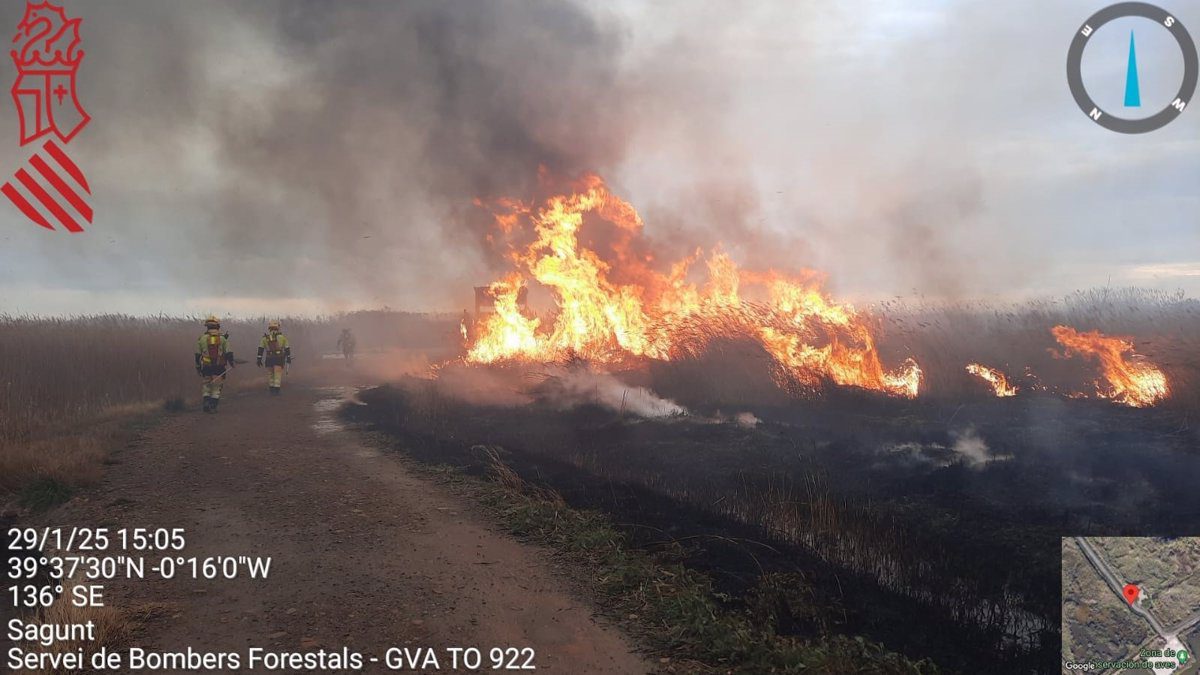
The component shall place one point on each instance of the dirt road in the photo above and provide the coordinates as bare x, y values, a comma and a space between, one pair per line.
365, 554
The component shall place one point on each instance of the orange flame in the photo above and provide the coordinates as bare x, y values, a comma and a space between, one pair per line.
612, 306
1133, 381
995, 379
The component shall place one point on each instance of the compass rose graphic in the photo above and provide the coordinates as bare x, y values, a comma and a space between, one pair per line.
1133, 91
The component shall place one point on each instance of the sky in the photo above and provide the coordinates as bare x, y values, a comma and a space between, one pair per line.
311, 157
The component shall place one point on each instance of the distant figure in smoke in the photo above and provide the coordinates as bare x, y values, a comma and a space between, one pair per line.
464, 327
278, 354
346, 344
213, 361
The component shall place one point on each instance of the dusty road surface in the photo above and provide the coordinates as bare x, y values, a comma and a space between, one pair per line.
364, 553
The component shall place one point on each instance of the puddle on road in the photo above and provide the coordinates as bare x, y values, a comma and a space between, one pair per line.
327, 421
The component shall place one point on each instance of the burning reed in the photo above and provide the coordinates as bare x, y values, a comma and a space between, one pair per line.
616, 306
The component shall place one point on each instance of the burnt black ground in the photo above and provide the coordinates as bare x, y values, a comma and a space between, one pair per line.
1052, 467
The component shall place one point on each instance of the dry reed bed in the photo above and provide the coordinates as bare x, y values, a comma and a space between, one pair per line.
68, 384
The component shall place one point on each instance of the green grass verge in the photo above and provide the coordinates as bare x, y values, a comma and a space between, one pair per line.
674, 611
43, 493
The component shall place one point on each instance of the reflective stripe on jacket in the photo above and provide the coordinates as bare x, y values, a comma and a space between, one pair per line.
212, 349
274, 345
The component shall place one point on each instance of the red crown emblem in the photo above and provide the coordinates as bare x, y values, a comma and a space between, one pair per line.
47, 57
46, 40
50, 187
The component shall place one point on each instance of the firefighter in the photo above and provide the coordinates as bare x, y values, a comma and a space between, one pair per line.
346, 344
464, 327
213, 361
275, 346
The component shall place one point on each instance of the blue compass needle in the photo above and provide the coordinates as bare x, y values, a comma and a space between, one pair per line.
1133, 93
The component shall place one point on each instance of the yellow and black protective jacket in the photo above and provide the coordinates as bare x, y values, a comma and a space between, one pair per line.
274, 346
212, 353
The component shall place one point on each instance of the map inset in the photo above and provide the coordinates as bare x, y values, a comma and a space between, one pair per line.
1130, 604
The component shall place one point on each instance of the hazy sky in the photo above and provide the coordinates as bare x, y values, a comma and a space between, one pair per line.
305, 156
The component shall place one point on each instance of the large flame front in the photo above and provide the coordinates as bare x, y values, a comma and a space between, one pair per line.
613, 306
1130, 380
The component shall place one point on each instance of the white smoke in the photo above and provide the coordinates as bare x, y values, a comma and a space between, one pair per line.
968, 447
557, 386
972, 448
570, 388
746, 419
484, 386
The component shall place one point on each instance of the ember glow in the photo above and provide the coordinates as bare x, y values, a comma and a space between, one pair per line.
1128, 377
614, 306
995, 379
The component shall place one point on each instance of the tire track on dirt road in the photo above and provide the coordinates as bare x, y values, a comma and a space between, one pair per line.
365, 553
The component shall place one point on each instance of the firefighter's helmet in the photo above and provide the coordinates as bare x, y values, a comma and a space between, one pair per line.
273, 325
212, 321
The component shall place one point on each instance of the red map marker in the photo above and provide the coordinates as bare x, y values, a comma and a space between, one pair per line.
1131, 593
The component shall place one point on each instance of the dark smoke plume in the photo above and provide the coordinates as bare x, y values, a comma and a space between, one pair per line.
340, 144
